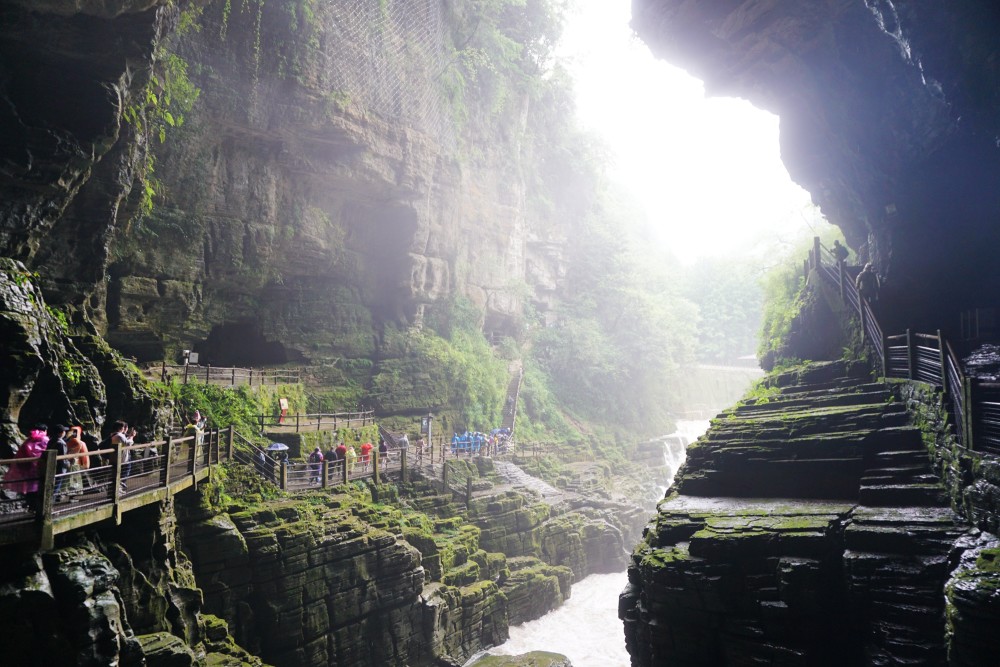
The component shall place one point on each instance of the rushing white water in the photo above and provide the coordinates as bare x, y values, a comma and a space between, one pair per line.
586, 628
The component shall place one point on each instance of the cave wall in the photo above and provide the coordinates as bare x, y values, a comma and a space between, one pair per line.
889, 118
297, 201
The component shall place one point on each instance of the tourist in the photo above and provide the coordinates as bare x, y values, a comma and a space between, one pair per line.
366, 456
23, 477
352, 457
455, 443
316, 465
79, 465
194, 430
839, 252
92, 442
58, 445
383, 452
121, 440
868, 284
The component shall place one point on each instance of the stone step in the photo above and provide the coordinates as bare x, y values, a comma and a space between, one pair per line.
905, 474
774, 404
894, 439
906, 457
921, 537
822, 373
837, 387
901, 495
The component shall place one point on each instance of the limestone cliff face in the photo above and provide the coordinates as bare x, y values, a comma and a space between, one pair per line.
888, 118
318, 190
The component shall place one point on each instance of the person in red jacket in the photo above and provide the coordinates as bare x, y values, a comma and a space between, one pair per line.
366, 455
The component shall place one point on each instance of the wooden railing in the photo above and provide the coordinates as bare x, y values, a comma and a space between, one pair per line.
973, 405
316, 422
120, 479
221, 375
117, 480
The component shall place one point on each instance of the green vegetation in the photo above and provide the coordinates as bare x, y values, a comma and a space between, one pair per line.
239, 406
729, 298
500, 50
168, 95
782, 303
622, 332
448, 365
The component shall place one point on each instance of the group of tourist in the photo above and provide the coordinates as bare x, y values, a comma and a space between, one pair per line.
85, 456
345, 453
81, 451
484, 444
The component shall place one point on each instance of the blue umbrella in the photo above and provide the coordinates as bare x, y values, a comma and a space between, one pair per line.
277, 447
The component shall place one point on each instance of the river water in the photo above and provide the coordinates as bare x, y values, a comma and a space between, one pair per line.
586, 628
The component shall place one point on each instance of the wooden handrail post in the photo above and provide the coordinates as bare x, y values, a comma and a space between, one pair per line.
885, 356
283, 480
186, 368
909, 354
208, 373
864, 329
168, 459
944, 367
193, 460
234, 376
816, 255
403, 469
444, 474
296, 422
970, 420
251, 377
325, 468
230, 440
163, 372
116, 488
375, 466
343, 469
840, 279
46, 497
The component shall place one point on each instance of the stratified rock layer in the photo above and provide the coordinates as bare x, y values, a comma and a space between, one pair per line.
807, 528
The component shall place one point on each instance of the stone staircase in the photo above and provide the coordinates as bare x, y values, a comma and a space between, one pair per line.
808, 528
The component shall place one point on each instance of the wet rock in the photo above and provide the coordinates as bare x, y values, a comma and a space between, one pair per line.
533, 659
742, 565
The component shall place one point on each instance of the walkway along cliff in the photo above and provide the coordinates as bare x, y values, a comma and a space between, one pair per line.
194, 556
833, 517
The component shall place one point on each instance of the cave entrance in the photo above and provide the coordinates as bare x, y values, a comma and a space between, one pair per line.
243, 344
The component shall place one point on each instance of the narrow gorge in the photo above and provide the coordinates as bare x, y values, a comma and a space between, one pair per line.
314, 222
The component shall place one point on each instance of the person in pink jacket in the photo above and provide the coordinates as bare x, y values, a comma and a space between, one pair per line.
23, 477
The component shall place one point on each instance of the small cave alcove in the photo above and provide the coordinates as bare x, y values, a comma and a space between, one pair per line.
243, 344
385, 236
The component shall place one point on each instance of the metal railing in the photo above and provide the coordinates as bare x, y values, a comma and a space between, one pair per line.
53, 493
316, 422
973, 405
224, 375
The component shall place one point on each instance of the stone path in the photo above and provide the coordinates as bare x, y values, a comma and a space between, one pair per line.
516, 477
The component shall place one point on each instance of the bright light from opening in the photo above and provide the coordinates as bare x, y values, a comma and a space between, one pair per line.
707, 171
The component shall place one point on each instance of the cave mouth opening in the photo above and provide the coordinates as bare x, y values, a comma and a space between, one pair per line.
243, 344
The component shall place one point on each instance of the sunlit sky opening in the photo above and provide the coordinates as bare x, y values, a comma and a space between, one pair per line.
707, 171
